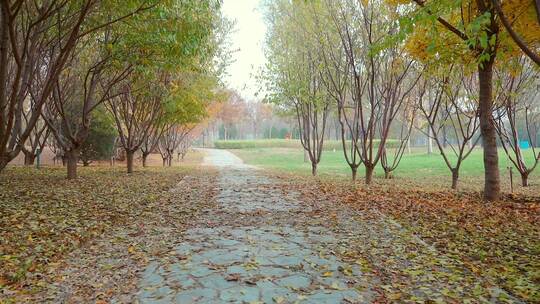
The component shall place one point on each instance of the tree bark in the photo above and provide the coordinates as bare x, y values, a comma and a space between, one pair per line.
369, 174
314, 169
144, 159
430, 141
72, 157
129, 160
492, 181
29, 158
354, 172
525, 179
455, 177
387, 174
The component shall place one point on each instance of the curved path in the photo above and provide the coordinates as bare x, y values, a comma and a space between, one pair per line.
251, 250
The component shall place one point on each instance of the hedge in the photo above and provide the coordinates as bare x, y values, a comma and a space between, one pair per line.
283, 143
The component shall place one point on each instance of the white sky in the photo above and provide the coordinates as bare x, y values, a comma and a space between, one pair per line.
248, 40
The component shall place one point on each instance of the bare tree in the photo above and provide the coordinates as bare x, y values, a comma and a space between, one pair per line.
452, 95
135, 111
334, 76
517, 98
37, 38
391, 160
172, 139
150, 143
78, 92
380, 81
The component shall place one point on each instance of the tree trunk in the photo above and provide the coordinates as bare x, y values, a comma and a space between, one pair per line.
525, 179
144, 159
169, 161
455, 177
369, 174
354, 172
314, 169
492, 181
387, 174
72, 157
129, 159
29, 158
164, 161
429, 142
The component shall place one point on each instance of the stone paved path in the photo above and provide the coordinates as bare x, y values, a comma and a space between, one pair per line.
262, 242
254, 248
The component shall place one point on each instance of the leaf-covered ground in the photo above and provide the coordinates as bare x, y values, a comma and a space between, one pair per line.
90, 240
497, 242
83, 238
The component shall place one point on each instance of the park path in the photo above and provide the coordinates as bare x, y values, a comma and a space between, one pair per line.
263, 243
255, 247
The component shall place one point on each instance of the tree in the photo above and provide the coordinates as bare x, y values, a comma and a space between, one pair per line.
293, 76
335, 77
37, 39
381, 79
516, 99
449, 101
150, 143
470, 32
35, 141
135, 111
406, 118
232, 111
27, 49
186, 42
83, 86
99, 143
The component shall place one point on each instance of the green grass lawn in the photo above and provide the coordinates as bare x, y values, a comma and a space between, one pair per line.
417, 166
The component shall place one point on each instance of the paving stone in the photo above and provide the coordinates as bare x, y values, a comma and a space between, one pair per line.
153, 279
226, 242
294, 282
270, 271
200, 271
288, 260
216, 281
240, 294
199, 295
239, 269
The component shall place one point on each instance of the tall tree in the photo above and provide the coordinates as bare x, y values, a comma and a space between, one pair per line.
380, 79
83, 86
470, 31
37, 39
294, 77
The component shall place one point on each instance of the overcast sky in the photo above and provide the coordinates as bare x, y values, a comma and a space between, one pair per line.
248, 40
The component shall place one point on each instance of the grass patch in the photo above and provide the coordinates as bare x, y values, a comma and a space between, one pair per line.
418, 166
